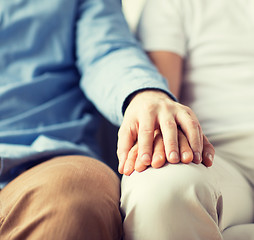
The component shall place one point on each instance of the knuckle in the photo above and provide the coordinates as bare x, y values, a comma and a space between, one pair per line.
119, 152
165, 105
121, 131
146, 131
194, 124
126, 130
196, 146
172, 145
169, 107
149, 108
170, 124
210, 147
187, 109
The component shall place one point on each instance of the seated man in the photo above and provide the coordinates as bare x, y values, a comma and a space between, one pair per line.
205, 50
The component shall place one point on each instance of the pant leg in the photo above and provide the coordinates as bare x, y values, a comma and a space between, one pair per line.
64, 198
185, 202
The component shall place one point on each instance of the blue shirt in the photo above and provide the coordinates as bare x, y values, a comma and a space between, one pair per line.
60, 61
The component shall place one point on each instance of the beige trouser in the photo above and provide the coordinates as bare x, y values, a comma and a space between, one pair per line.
66, 198
192, 202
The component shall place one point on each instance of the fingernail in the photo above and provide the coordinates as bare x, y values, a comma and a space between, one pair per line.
157, 157
122, 159
120, 165
197, 158
126, 170
146, 159
174, 157
209, 156
186, 155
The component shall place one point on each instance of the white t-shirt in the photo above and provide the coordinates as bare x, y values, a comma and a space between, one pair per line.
216, 38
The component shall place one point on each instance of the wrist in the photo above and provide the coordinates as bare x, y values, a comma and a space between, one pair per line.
148, 91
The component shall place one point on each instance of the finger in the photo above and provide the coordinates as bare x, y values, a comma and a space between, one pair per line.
185, 150
192, 130
130, 161
139, 165
145, 140
208, 153
200, 131
170, 139
159, 157
197, 157
126, 139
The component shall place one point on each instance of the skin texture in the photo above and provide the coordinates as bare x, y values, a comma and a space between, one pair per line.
156, 129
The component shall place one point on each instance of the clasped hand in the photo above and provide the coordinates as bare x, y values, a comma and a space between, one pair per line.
156, 130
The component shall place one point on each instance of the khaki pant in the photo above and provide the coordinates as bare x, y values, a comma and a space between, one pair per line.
192, 202
66, 198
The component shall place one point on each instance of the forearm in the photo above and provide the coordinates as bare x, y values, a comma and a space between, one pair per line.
170, 66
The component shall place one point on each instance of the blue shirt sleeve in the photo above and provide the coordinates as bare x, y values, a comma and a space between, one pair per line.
111, 62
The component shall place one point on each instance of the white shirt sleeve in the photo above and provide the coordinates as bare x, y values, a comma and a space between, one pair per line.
161, 27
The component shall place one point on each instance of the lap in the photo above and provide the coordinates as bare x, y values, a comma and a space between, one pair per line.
223, 180
211, 203
61, 171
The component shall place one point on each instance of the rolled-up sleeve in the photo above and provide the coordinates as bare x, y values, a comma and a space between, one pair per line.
111, 63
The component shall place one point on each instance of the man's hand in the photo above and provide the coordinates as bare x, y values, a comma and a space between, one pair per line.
150, 135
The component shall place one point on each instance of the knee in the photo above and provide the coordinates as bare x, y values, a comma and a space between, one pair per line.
164, 190
171, 198
83, 194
